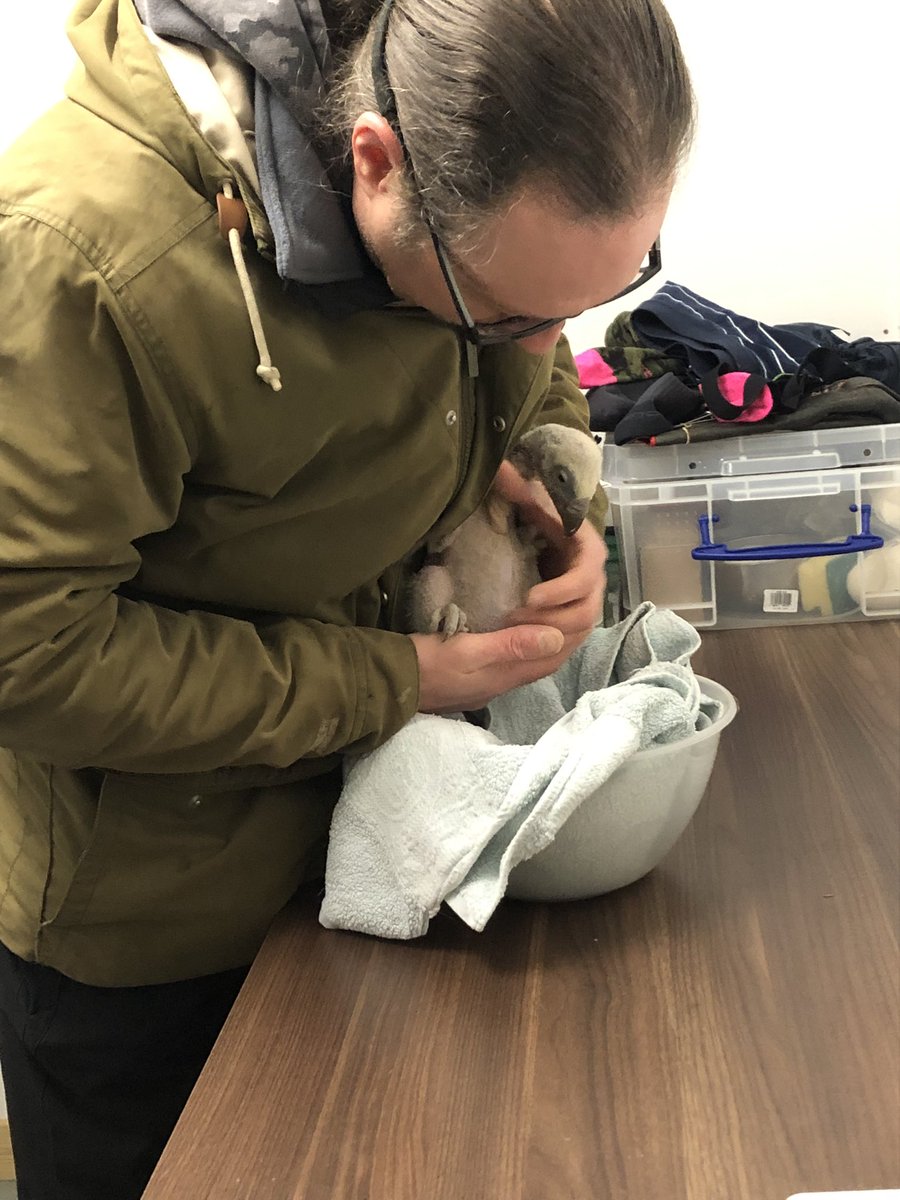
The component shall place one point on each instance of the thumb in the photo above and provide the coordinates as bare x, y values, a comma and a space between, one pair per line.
512, 486
524, 643
508, 482
529, 497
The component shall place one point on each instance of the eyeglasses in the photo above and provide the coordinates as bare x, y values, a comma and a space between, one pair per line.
476, 333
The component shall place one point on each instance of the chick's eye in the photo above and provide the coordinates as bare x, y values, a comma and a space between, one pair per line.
562, 475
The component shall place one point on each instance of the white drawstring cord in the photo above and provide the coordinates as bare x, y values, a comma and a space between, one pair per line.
266, 370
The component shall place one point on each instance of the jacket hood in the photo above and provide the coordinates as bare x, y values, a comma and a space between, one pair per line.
120, 79
300, 220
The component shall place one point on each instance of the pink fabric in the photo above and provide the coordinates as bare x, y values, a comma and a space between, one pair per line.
731, 387
593, 369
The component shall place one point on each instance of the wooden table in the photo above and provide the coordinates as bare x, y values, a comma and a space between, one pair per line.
726, 1029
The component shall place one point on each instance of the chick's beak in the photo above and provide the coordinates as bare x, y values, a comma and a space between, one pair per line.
572, 515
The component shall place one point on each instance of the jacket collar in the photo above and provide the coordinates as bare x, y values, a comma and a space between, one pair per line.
124, 83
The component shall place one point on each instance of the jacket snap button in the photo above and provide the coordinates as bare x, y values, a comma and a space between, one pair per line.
196, 801
451, 417
499, 424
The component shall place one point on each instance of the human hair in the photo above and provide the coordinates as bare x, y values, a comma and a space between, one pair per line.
587, 101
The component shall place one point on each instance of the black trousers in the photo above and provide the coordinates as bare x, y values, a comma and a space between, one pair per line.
96, 1078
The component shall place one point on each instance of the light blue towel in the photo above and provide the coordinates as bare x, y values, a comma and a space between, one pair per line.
444, 810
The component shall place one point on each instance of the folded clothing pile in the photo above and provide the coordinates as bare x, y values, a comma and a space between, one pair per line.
683, 368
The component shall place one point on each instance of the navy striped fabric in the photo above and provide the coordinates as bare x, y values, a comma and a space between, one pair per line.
706, 335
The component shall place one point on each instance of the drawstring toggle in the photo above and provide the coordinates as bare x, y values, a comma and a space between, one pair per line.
233, 222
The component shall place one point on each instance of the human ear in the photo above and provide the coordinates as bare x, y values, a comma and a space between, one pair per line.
376, 153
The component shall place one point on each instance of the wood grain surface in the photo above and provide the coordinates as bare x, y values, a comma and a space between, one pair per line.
7, 1169
725, 1029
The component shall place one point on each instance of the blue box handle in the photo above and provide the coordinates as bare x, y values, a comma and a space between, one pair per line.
710, 551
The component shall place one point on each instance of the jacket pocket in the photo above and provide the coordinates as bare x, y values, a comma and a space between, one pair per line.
160, 852
147, 833
66, 901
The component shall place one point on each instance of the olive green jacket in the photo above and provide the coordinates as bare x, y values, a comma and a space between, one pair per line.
196, 582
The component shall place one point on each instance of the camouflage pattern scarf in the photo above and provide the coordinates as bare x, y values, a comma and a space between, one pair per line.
286, 43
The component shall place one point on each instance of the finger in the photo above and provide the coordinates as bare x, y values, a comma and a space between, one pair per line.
575, 623
581, 574
513, 487
565, 589
579, 582
514, 644
505, 673
569, 618
469, 670
507, 676
530, 500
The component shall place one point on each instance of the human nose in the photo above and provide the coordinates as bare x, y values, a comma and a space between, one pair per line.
541, 343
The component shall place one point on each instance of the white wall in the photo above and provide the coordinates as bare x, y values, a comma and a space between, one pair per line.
35, 57
790, 207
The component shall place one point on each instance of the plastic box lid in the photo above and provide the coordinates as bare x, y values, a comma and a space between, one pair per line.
757, 454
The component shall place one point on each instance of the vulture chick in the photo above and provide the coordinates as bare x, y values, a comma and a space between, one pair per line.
473, 578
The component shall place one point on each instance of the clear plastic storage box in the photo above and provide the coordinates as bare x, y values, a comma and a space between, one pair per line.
766, 529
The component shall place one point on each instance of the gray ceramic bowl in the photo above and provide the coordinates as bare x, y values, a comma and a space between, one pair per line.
630, 824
